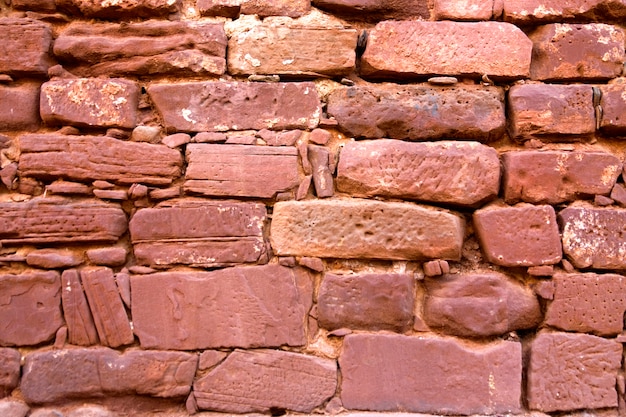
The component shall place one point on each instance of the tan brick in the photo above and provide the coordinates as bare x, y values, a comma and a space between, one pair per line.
24, 47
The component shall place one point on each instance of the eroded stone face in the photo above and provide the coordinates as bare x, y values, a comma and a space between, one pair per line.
20, 107
119, 8
545, 11
9, 370
376, 10
613, 104
78, 318
25, 47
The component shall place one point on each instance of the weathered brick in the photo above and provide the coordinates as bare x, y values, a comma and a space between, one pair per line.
24, 47
588, 303
577, 52
319, 158
369, 229
463, 10
415, 48
419, 112
226, 8
385, 372
89, 158
463, 173
146, 48
376, 10
479, 305
572, 371
520, 235
111, 256
366, 301
551, 112
284, 50
9, 370
30, 307
245, 171
198, 233
34, 5
51, 376
594, 236
20, 107
119, 9
221, 106
544, 11
54, 258
90, 102
264, 8
78, 319
553, 177
613, 104
264, 380
259, 306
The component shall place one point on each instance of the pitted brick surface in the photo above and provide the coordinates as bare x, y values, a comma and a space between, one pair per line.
25, 46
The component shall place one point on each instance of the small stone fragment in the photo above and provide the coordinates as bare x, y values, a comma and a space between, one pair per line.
432, 268
53, 258
210, 358
322, 177
176, 140
320, 136
264, 8
80, 325
115, 195
110, 256
149, 134
13, 408
209, 137
303, 188
315, 264
20, 105
541, 270
463, 10
443, 80
116, 10
544, 289
60, 338
137, 191
602, 201
69, 187
9, 371
618, 194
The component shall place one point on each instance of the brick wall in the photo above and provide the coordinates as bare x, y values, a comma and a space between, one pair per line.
273, 206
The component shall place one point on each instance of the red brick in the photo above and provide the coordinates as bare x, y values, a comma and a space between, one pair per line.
54, 258
567, 52
226, 8
553, 177
463, 173
112, 256
20, 107
366, 302
376, 10
613, 104
463, 10
260, 306
369, 229
419, 112
245, 171
430, 374
588, 303
264, 8
264, 380
551, 112
420, 48
543, 11
78, 319
572, 371
222, 106
34, 5
90, 102
594, 236
9, 370
24, 47
119, 9
30, 307
520, 235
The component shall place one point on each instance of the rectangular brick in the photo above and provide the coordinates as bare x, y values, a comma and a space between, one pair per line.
24, 47
265, 8
464, 10
613, 103
544, 11
369, 229
376, 10
119, 10
244, 171
20, 107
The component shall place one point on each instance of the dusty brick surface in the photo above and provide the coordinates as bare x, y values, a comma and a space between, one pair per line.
572, 371
419, 112
264, 8
9, 370
20, 107
543, 11
78, 319
613, 104
463, 10
439, 375
24, 46
376, 10
463, 173
116, 9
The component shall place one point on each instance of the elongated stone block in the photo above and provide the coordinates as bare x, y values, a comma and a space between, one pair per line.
80, 325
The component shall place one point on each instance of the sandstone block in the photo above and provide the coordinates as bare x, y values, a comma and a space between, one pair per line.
551, 112
199, 233
88, 158
613, 104
24, 47
113, 256
463, 173
594, 236
34, 5
572, 371
376, 10
226, 8
386, 372
553, 177
259, 306
51, 376
545, 11
20, 106
236, 170
148, 48
588, 303
521, 235
264, 8
366, 301
222, 106
30, 307
419, 112
257, 381
119, 9
78, 319
415, 48
9, 370
53, 258
319, 158
479, 305
283, 50
369, 229
463, 10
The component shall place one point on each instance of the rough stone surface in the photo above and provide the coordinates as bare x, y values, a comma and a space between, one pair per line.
572, 371
369, 229
24, 47
13, 408
9, 370
119, 8
88, 158
552, 177
439, 375
90, 102
112, 256
199, 233
53, 258
51, 376
551, 112
419, 112
20, 106
613, 104
479, 305
264, 8
463, 173
376, 10
521, 235
30, 307
236, 170
366, 301
223, 106
147, 48
266, 49
463, 10
264, 380
415, 48
545, 11
226, 8
319, 158
78, 319
594, 236
259, 306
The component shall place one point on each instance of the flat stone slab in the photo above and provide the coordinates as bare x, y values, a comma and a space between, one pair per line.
376, 10
535, 12
25, 47
117, 9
